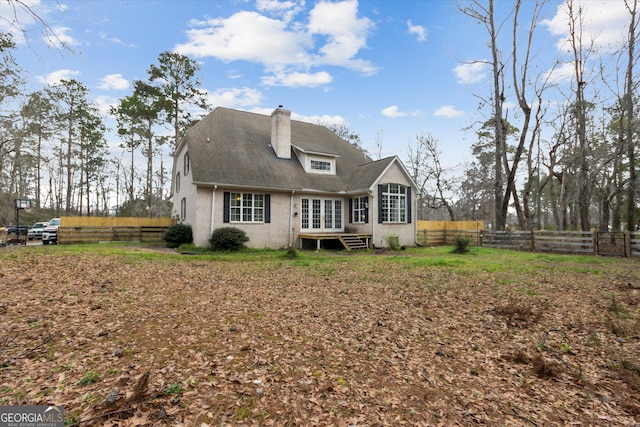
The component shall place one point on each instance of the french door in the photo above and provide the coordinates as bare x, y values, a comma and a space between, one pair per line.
321, 215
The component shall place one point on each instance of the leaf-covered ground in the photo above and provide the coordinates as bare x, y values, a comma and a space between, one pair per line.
421, 339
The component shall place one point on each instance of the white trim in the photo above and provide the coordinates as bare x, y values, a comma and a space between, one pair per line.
213, 209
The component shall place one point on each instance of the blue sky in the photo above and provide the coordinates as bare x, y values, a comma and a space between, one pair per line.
389, 70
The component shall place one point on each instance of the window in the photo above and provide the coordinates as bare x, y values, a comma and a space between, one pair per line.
320, 165
183, 209
395, 203
186, 163
178, 182
246, 207
360, 210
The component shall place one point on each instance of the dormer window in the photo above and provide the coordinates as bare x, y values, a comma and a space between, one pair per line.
320, 165
316, 162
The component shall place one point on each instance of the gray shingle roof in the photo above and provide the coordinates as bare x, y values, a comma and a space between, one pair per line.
232, 147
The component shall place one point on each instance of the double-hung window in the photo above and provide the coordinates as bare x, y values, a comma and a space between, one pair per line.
395, 203
247, 207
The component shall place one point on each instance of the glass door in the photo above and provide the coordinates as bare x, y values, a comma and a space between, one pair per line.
321, 215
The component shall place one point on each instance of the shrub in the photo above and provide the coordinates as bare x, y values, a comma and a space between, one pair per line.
177, 235
394, 242
228, 239
292, 252
461, 246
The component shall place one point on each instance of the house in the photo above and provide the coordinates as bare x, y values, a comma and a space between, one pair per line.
288, 183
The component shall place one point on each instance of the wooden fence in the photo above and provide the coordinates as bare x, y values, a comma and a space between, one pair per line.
111, 229
570, 242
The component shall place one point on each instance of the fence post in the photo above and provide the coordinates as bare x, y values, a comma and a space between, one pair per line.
627, 243
533, 241
594, 238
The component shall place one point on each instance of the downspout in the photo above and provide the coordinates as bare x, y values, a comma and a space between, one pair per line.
415, 221
291, 219
213, 211
373, 220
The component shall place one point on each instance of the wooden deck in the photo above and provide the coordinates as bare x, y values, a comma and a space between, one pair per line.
350, 241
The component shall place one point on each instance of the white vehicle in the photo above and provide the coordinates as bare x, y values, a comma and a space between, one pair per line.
35, 232
50, 233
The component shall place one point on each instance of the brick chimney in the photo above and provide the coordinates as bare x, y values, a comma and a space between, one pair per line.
281, 132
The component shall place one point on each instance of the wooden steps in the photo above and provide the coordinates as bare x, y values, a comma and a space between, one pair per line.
351, 242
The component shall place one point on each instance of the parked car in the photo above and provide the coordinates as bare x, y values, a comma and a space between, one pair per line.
50, 232
35, 232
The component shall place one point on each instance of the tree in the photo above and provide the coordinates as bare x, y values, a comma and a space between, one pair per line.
349, 135
178, 86
37, 116
425, 168
13, 12
486, 16
92, 152
149, 114
10, 89
632, 8
579, 108
129, 116
71, 103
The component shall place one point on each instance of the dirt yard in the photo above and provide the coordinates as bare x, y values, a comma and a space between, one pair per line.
363, 340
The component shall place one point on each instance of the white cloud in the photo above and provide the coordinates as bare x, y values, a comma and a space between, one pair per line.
104, 104
114, 81
394, 112
246, 36
60, 37
418, 30
331, 35
604, 22
448, 111
325, 119
346, 34
235, 97
55, 77
285, 9
296, 79
17, 17
471, 72
561, 74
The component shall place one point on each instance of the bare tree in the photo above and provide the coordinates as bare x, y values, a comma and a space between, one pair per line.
632, 8
485, 14
580, 54
11, 15
434, 185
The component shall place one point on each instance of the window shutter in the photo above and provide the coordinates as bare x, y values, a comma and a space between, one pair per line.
409, 205
226, 206
366, 210
379, 203
351, 211
267, 208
